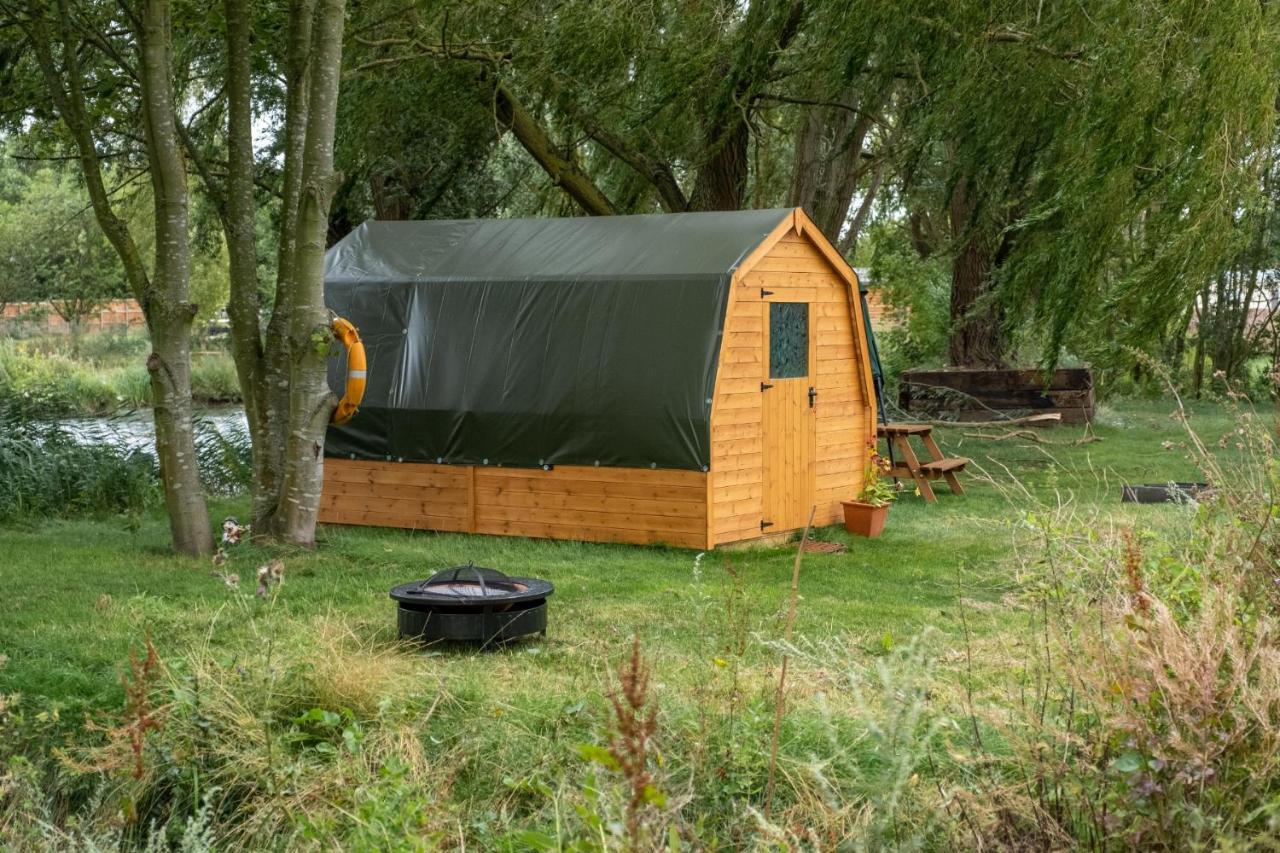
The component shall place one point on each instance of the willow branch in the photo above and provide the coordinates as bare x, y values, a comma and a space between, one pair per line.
811, 102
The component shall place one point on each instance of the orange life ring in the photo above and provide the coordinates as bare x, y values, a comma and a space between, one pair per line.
346, 333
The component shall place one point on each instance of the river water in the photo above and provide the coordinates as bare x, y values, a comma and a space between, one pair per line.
137, 430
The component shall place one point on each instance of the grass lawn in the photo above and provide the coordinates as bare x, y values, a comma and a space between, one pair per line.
494, 732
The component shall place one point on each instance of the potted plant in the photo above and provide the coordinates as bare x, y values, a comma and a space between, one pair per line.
866, 514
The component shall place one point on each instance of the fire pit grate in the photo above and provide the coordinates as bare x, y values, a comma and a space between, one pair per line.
472, 604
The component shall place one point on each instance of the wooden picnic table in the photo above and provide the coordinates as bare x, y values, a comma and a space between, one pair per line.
908, 466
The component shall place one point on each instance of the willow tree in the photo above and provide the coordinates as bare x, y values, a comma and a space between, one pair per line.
1072, 170
100, 65
1040, 143
642, 106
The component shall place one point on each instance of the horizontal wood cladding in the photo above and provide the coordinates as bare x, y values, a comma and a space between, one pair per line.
371, 471
540, 530
639, 506
631, 505
793, 270
811, 263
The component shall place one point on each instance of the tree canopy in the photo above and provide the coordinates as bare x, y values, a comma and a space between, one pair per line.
1079, 171
51, 249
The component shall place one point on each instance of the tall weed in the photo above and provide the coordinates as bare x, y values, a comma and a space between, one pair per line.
45, 473
225, 457
1150, 703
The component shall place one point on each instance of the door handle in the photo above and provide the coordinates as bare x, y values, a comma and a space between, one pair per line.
813, 395
765, 386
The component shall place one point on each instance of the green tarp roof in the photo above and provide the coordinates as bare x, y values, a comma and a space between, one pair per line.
682, 244
532, 342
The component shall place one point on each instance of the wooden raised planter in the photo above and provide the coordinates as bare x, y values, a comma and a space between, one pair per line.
982, 394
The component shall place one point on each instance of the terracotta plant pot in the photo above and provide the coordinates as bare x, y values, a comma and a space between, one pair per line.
864, 519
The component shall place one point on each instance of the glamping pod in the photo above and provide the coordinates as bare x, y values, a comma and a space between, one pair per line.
693, 379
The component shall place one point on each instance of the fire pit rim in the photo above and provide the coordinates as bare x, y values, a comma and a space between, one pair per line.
419, 592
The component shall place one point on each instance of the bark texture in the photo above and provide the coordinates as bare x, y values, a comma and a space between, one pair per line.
977, 322
268, 496
282, 368
721, 181
652, 170
564, 173
311, 403
828, 166
238, 209
170, 313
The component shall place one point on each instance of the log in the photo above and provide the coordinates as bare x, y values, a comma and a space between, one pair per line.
978, 395
980, 380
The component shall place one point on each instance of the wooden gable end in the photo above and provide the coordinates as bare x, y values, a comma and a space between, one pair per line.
796, 264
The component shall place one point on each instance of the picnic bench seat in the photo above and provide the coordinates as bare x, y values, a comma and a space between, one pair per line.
951, 463
909, 466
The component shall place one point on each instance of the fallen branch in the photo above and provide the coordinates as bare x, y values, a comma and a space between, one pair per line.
1031, 436
1045, 418
1017, 433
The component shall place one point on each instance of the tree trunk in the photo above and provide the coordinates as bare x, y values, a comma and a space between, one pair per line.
848, 242
1197, 368
239, 209
1175, 349
267, 501
977, 336
827, 166
722, 178
311, 403
655, 172
291, 393
170, 314
75, 330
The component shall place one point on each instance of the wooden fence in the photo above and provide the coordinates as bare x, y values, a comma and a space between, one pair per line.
40, 318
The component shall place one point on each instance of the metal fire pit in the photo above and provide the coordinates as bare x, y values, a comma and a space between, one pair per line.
472, 604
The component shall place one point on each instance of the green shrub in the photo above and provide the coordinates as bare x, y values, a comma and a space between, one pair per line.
44, 381
214, 379
116, 347
50, 385
133, 386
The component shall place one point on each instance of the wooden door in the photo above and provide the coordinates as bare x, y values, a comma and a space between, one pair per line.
789, 425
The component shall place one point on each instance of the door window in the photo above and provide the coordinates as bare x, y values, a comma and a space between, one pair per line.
788, 340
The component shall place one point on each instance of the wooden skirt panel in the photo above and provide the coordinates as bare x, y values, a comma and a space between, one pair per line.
630, 505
